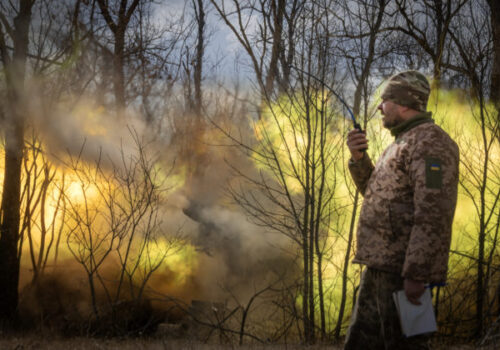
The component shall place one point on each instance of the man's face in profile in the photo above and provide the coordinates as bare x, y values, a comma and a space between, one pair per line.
391, 113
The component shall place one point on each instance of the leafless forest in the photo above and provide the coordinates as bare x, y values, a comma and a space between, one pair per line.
178, 168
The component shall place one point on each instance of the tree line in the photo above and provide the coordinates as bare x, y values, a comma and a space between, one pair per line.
156, 62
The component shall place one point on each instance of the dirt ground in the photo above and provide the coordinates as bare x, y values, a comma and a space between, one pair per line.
39, 342
133, 344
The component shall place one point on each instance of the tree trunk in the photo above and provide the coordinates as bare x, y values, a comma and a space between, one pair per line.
361, 84
305, 298
482, 287
495, 73
14, 145
278, 11
198, 67
119, 28
345, 270
118, 67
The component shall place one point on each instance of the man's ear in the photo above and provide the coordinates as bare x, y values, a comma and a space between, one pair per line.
406, 111
402, 110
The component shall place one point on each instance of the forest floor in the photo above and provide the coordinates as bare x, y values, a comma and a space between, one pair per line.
32, 341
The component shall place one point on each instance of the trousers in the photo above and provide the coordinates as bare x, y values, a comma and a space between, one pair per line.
375, 321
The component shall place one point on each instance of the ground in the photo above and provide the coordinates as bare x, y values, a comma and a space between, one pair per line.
58, 343
136, 344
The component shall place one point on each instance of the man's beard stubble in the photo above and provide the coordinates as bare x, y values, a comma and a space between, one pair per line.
390, 122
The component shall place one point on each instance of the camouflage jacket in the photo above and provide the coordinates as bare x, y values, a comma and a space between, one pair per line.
409, 203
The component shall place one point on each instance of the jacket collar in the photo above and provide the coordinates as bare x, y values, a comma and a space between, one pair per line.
421, 118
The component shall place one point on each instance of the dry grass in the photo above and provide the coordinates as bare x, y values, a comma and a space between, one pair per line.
58, 343
31, 342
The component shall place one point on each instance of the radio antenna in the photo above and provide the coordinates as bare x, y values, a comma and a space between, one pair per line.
341, 100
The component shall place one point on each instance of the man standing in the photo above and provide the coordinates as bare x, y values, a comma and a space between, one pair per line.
404, 229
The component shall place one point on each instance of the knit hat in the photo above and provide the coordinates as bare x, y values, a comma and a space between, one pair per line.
409, 88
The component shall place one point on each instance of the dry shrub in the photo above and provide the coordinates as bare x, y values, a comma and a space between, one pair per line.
53, 304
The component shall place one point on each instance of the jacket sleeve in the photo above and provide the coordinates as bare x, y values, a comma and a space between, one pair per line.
433, 173
361, 171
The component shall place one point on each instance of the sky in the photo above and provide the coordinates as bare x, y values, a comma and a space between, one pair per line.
222, 47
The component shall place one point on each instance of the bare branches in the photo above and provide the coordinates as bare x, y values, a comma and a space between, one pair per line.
115, 217
107, 16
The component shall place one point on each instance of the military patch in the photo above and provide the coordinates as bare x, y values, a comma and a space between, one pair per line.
433, 173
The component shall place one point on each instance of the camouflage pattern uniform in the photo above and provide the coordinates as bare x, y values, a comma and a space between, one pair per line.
404, 229
375, 322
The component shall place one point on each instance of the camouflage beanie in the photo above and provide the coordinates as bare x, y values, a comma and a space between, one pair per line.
410, 89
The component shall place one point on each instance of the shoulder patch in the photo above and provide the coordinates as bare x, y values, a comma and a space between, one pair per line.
433, 173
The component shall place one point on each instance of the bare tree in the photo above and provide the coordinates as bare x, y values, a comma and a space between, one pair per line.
199, 8
297, 155
428, 24
361, 27
14, 67
115, 217
41, 226
118, 26
266, 32
194, 121
472, 39
495, 31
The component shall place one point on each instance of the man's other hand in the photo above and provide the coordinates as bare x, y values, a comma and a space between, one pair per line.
414, 290
357, 142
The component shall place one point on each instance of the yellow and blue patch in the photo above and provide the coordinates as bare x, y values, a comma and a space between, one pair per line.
433, 173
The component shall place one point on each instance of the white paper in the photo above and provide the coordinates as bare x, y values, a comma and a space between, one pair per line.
415, 319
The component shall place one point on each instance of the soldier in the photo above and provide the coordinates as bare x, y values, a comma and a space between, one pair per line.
404, 229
